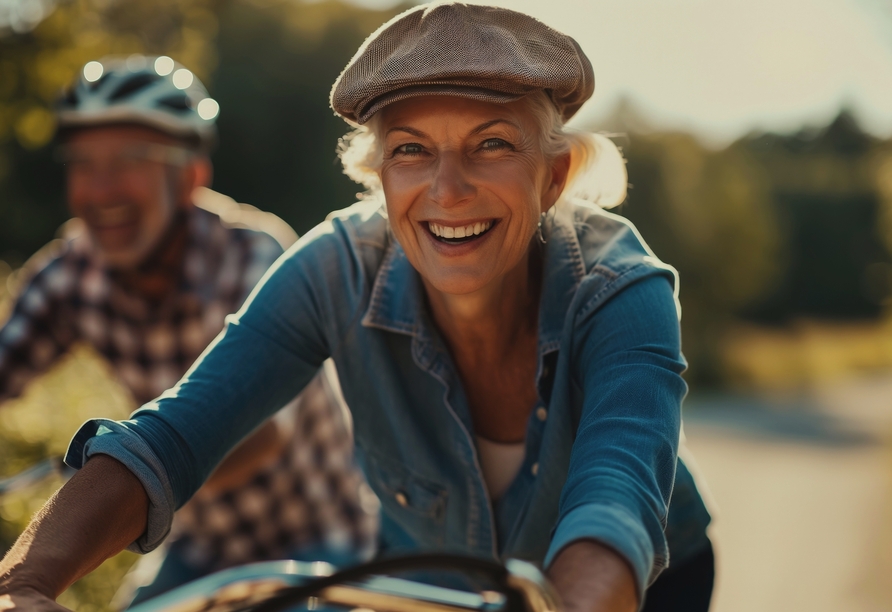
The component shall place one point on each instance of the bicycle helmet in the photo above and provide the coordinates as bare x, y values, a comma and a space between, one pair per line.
153, 91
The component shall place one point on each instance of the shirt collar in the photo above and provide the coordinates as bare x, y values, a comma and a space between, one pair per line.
397, 300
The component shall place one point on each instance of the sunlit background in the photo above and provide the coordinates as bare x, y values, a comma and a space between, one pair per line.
758, 135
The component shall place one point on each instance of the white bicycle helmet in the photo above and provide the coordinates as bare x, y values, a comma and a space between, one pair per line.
153, 91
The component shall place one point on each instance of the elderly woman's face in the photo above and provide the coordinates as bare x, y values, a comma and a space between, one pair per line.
465, 182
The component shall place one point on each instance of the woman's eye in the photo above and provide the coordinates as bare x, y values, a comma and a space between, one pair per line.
494, 144
412, 148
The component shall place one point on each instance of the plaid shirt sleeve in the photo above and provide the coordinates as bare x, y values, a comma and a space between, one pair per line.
32, 339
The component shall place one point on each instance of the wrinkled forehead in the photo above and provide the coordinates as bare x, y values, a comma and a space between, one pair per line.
444, 113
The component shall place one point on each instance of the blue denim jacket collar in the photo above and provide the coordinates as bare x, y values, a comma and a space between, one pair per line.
396, 303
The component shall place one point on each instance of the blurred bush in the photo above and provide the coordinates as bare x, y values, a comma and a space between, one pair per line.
708, 214
766, 232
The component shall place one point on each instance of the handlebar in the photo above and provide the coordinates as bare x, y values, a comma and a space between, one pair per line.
296, 586
34, 474
280, 586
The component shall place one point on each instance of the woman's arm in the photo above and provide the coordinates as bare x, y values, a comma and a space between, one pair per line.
590, 577
102, 509
627, 361
265, 356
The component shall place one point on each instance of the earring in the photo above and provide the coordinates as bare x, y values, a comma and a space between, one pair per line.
539, 230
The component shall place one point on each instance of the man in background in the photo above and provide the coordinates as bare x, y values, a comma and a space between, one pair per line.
145, 273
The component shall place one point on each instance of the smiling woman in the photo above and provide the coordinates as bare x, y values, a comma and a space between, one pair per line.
509, 351
515, 158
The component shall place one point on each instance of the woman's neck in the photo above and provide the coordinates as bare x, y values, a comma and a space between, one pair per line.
490, 321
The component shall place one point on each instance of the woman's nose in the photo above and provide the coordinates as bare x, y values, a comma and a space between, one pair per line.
451, 183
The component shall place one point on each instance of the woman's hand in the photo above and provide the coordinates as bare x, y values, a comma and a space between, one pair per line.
30, 601
590, 577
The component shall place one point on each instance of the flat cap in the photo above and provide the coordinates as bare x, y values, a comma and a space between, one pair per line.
472, 51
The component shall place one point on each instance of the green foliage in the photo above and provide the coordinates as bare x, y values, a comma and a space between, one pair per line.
826, 189
768, 229
277, 144
38, 425
707, 213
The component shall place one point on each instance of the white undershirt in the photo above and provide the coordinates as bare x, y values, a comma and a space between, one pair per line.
500, 464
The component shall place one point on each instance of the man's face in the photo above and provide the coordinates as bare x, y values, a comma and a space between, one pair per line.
123, 182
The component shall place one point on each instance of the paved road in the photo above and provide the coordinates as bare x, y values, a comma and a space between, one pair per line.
803, 490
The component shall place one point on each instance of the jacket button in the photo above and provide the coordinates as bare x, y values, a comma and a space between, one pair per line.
535, 469
541, 413
401, 499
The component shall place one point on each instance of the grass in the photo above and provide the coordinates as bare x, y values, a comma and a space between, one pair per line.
806, 354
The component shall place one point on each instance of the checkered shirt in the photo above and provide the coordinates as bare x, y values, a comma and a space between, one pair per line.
312, 498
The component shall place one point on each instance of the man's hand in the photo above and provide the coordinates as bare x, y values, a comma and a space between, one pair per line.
590, 577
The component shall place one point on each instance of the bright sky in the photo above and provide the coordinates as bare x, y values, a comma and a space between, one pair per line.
724, 67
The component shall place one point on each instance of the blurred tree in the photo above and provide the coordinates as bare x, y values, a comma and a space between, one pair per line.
708, 214
770, 229
825, 189
278, 61
880, 276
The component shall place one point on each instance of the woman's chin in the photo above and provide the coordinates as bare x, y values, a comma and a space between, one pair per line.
457, 283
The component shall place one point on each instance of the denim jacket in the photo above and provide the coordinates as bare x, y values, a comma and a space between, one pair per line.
600, 458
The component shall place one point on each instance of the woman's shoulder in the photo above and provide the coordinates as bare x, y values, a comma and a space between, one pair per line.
342, 254
363, 224
613, 253
360, 229
609, 241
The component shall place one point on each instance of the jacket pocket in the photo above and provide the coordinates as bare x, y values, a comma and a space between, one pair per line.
416, 504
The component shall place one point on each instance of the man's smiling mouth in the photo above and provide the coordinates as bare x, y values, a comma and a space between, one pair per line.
461, 234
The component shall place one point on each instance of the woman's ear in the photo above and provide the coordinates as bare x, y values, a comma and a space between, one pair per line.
559, 169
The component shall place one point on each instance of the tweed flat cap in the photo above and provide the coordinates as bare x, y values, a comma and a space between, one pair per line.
480, 52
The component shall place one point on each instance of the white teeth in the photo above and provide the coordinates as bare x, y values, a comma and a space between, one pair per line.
465, 231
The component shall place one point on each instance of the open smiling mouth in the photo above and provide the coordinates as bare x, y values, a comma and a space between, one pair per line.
459, 235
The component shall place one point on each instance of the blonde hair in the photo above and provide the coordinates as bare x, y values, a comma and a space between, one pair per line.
597, 172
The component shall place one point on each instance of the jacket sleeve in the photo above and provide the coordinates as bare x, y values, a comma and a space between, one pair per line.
266, 354
35, 335
627, 360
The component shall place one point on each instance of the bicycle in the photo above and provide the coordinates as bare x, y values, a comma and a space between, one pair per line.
295, 586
